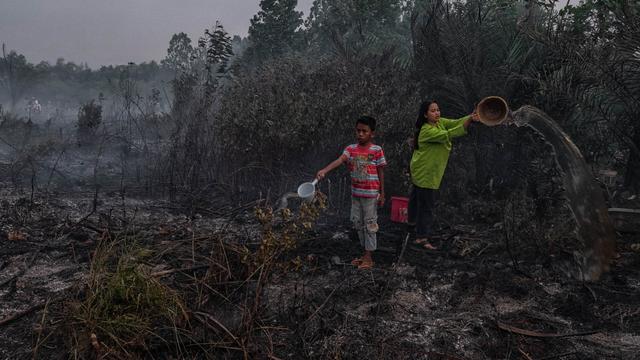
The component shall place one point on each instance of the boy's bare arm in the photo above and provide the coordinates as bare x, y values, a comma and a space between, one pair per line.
381, 179
334, 164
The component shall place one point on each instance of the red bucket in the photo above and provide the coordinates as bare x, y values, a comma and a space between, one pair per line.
399, 212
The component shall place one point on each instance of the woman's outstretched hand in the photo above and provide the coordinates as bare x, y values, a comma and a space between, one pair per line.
475, 116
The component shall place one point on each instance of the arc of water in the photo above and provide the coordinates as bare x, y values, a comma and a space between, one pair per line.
594, 227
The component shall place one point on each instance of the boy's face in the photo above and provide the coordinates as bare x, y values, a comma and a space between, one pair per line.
363, 133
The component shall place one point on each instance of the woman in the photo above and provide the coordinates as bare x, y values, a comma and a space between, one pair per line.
431, 148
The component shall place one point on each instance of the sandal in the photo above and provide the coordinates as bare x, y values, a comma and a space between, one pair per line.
356, 261
421, 241
365, 265
429, 246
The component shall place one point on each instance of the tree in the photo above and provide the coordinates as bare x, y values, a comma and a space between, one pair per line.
599, 42
179, 54
216, 45
274, 29
359, 31
89, 119
16, 74
239, 44
357, 17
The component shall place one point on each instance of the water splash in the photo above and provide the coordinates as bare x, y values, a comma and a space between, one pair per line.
283, 202
593, 225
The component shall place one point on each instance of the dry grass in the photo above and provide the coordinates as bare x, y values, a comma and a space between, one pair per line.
128, 308
122, 308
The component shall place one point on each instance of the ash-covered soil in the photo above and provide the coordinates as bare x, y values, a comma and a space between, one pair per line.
468, 300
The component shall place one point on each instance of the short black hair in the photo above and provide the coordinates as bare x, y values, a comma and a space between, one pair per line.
367, 120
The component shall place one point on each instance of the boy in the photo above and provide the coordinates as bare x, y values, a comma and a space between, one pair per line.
366, 164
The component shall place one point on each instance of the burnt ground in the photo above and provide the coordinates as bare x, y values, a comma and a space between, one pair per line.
466, 301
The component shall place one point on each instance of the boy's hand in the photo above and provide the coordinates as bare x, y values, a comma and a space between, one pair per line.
475, 116
381, 199
321, 174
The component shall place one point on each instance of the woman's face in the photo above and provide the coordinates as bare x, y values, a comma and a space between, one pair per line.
433, 113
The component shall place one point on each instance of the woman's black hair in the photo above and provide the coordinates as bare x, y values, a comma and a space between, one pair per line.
424, 107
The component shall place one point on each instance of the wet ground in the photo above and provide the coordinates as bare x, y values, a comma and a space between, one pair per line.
465, 301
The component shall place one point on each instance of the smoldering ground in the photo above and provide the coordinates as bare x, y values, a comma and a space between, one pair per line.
142, 213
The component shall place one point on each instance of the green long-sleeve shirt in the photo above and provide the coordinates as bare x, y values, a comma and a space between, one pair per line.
434, 145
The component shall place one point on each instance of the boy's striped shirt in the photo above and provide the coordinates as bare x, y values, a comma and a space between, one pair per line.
363, 163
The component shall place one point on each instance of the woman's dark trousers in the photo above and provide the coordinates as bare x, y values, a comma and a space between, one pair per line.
421, 202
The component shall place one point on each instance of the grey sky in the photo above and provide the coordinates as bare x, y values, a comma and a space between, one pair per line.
109, 32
